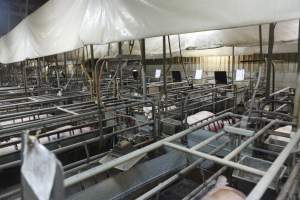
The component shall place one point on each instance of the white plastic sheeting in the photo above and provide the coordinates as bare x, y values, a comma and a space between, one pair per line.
61, 26
218, 42
115, 20
53, 28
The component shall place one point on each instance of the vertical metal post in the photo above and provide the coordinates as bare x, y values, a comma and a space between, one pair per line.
57, 72
8, 22
143, 70
299, 48
233, 65
65, 67
260, 43
269, 59
25, 76
95, 70
250, 72
46, 72
164, 65
228, 66
297, 95
26, 7
39, 74
120, 52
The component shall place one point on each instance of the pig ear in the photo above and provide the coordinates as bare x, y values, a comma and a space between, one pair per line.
222, 181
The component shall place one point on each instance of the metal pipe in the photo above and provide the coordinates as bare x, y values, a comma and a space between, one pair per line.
65, 66
120, 53
207, 90
102, 168
25, 76
143, 70
11, 106
260, 42
280, 107
164, 65
209, 140
203, 106
18, 114
26, 8
288, 184
266, 180
218, 160
296, 112
65, 118
298, 47
41, 123
177, 176
233, 66
79, 144
192, 194
93, 66
237, 150
276, 92
269, 59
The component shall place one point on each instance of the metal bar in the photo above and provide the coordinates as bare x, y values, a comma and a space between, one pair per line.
177, 176
164, 66
26, 7
120, 53
66, 110
280, 107
39, 75
25, 76
143, 70
269, 59
192, 194
64, 118
260, 42
102, 168
276, 92
288, 184
266, 180
233, 66
65, 66
218, 160
237, 150
79, 144
296, 111
207, 141
93, 66
299, 47
41, 110
209, 89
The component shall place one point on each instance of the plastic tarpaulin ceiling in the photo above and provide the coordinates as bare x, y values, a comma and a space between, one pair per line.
60, 26
217, 42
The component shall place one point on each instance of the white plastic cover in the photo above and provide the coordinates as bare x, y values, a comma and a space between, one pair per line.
245, 40
60, 26
53, 28
116, 20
